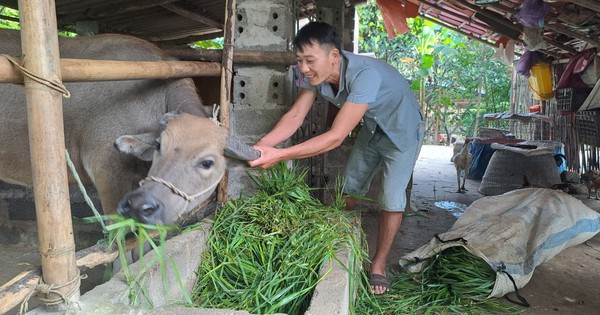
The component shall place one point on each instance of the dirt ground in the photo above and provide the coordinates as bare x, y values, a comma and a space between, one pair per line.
567, 284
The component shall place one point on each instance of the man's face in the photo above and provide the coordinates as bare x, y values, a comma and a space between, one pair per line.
318, 64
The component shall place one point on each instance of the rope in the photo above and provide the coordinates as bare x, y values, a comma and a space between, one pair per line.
215, 114
178, 191
46, 289
53, 84
522, 301
87, 198
54, 253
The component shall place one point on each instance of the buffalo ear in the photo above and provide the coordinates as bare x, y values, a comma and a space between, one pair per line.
238, 150
141, 146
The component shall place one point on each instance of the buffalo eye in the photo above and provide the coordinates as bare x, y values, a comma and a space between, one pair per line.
157, 145
206, 164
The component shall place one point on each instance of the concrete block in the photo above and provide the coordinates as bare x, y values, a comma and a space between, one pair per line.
259, 87
263, 25
256, 122
240, 184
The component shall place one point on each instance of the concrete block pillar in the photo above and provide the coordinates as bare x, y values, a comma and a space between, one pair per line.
261, 94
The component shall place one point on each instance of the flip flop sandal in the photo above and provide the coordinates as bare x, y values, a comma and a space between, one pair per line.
381, 281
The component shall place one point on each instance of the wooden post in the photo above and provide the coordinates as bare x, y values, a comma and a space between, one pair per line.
39, 40
226, 80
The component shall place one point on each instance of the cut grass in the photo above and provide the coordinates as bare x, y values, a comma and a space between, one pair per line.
453, 282
266, 251
122, 229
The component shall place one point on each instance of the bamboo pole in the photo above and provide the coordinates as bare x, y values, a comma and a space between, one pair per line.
88, 70
39, 41
226, 80
285, 58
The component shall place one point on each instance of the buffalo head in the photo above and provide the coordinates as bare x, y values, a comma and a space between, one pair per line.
189, 158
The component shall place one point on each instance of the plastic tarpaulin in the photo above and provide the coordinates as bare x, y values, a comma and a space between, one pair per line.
514, 233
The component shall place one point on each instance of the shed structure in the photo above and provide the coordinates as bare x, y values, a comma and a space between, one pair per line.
260, 89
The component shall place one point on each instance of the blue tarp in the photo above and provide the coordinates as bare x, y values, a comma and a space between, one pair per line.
482, 153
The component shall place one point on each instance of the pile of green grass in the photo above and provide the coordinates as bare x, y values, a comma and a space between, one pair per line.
266, 250
453, 282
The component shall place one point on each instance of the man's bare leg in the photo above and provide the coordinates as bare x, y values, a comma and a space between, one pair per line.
389, 224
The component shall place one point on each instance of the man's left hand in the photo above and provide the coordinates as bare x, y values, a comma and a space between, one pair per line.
269, 156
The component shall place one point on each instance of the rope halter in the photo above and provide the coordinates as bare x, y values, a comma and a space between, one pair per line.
188, 198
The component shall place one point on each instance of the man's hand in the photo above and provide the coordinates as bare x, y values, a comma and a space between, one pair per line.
269, 156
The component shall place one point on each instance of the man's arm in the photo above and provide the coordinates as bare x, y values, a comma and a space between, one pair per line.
347, 118
290, 121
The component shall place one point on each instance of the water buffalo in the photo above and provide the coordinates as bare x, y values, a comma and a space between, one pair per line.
114, 129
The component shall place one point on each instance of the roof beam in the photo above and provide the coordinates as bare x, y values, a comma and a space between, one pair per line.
454, 14
564, 30
107, 10
588, 4
452, 27
507, 23
471, 36
560, 28
192, 15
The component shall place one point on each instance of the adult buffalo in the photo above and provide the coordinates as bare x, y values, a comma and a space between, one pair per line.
113, 129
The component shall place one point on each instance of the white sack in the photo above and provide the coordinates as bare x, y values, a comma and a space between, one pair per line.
514, 233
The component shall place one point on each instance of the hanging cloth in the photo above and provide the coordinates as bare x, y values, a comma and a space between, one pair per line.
571, 77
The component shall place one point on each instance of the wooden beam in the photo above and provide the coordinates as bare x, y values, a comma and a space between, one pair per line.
239, 56
507, 23
170, 43
564, 30
452, 27
226, 87
554, 28
588, 4
458, 16
166, 41
81, 11
87, 70
39, 40
192, 15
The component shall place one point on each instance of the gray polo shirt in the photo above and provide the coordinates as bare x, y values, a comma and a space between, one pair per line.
392, 104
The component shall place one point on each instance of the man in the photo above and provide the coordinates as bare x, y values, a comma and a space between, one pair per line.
365, 89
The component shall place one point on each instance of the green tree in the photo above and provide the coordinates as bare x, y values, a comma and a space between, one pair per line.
452, 75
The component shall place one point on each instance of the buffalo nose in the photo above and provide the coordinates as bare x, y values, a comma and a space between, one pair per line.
140, 206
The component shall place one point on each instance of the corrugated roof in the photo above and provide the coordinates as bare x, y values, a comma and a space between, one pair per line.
569, 26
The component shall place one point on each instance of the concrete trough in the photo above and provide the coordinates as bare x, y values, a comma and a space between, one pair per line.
331, 296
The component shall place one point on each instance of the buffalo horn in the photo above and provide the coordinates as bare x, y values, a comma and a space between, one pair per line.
239, 150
